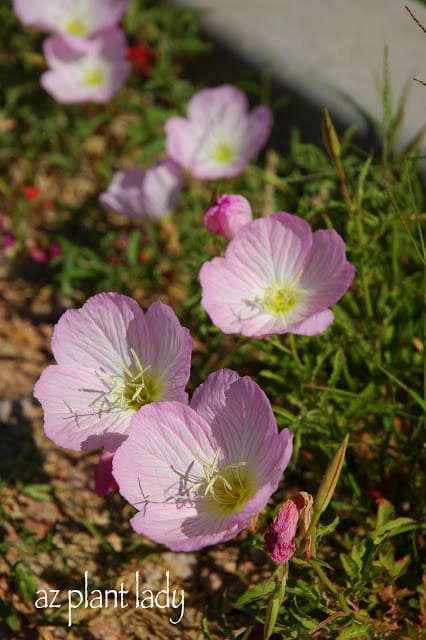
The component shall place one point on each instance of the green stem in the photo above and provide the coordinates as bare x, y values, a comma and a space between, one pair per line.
332, 587
364, 284
280, 578
293, 350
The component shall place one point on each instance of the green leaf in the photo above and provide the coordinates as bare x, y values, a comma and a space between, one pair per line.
394, 528
25, 581
133, 247
38, 491
254, 593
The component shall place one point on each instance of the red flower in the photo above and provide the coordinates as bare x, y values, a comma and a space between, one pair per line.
31, 192
140, 55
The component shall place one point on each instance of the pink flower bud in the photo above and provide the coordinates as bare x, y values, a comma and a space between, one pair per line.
279, 539
228, 216
104, 481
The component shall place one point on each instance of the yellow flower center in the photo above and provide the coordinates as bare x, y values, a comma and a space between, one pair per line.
135, 387
93, 77
224, 153
281, 299
75, 27
227, 488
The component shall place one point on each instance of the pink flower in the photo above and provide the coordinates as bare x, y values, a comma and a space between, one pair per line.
220, 136
276, 277
85, 70
199, 474
76, 18
230, 214
144, 195
279, 539
112, 359
104, 481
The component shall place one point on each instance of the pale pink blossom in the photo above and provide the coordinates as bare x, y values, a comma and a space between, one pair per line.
112, 358
220, 136
145, 194
198, 475
76, 18
277, 276
230, 213
81, 70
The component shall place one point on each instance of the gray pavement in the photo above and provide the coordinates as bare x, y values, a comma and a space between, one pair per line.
321, 49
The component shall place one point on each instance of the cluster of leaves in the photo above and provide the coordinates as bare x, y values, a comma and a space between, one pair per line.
363, 377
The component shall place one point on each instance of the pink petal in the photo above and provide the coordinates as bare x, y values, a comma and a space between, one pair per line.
74, 416
317, 323
161, 189
168, 349
124, 193
209, 397
154, 463
247, 430
328, 274
258, 130
99, 334
225, 102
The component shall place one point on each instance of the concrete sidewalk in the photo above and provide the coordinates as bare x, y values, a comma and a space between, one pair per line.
321, 50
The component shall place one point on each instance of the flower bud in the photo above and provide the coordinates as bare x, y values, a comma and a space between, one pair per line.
329, 481
279, 539
104, 480
228, 216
